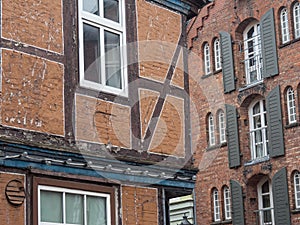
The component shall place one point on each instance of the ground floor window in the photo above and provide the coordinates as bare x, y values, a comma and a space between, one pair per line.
70, 204
265, 212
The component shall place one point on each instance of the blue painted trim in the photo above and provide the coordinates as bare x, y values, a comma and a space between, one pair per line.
176, 5
20, 164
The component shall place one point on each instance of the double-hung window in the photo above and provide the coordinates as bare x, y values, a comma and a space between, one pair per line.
227, 203
206, 54
62, 206
297, 189
211, 130
102, 41
291, 107
253, 55
285, 35
296, 14
217, 51
217, 216
266, 213
258, 130
222, 128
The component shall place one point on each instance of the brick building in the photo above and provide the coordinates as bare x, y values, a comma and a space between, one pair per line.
95, 125
244, 83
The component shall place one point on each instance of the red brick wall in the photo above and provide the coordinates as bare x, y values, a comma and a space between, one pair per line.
207, 97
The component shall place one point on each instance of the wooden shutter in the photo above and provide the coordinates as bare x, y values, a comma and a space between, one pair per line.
232, 136
275, 128
227, 62
237, 203
281, 198
268, 42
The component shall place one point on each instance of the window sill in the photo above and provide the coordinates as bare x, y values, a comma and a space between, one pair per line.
291, 125
221, 222
285, 44
295, 40
211, 148
217, 71
206, 75
257, 161
248, 86
295, 211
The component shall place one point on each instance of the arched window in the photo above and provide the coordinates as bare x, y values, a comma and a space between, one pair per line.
265, 202
211, 130
227, 203
258, 130
297, 189
217, 51
222, 129
296, 15
206, 51
291, 107
285, 35
216, 204
253, 55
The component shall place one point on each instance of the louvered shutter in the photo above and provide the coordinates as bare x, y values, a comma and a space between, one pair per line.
237, 203
227, 62
275, 129
232, 136
268, 42
281, 198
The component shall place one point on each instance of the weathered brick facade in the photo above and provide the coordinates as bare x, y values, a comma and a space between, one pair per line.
215, 162
59, 135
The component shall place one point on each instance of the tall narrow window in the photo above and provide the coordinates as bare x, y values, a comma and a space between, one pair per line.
217, 51
222, 131
217, 216
258, 130
285, 35
291, 107
265, 203
206, 54
296, 12
102, 35
227, 203
297, 189
211, 130
253, 55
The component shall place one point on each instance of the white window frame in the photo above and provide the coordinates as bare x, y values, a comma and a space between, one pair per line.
253, 55
72, 191
227, 203
207, 64
262, 209
217, 51
107, 25
297, 189
259, 149
211, 130
291, 105
284, 21
296, 16
217, 215
222, 127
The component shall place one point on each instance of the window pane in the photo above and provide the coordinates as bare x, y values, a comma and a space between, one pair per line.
91, 53
91, 6
74, 209
96, 210
111, 10
51, 207
112, 60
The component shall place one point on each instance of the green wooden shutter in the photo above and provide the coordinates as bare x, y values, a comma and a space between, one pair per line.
232, 136
268, 42
281, 198
275, 129
237, 203
227, 62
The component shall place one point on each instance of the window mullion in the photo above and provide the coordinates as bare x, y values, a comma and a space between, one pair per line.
64, 208
102, 57
84, 210
101, 10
